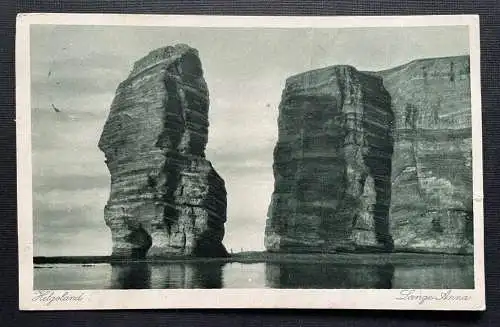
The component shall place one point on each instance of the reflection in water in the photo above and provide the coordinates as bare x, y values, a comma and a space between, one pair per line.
239, 275
293, 275
162, 276
189, 275
136, 275
385, 274
327, 275
436, 276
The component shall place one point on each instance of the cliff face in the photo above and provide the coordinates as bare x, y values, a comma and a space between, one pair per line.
374, 159
332, 163
432, 164
166, 199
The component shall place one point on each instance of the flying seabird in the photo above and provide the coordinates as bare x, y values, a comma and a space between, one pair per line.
55, 109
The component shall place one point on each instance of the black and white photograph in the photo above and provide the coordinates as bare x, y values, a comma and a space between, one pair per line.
249, 162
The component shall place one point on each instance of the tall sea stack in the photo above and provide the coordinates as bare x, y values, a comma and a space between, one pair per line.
332, 162
166, 199
378, 160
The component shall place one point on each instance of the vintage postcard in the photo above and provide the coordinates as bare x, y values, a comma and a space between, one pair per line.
249, 162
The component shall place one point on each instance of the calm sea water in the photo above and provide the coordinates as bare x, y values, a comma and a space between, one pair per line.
257, 275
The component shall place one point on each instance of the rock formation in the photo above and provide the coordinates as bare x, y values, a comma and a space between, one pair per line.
374, 159
432, 164
334, 149
166, 199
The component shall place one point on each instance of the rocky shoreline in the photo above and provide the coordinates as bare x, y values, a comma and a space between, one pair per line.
400, 258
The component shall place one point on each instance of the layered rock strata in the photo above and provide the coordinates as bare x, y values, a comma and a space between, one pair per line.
166, 199
374, 159
431, 206
332, 162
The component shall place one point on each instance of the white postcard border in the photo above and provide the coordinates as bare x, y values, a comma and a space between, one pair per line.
395, 299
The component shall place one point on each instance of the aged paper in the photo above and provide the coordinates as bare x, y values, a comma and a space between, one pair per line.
249, 162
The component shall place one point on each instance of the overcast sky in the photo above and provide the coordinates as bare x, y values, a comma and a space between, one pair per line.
77, 68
